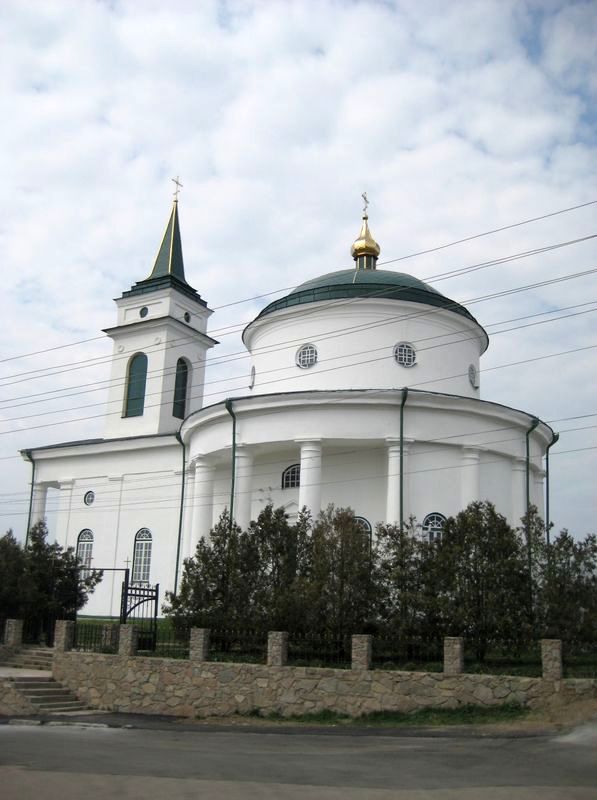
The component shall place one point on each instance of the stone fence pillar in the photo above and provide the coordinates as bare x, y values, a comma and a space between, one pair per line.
551, 659
361, 647
128, 636
13, 633
277, 648
453, 655
64, 635
199, 644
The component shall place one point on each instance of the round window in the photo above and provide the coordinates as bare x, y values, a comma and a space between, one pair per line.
143, 312
472, 376
187, 316
252, 378
89, 498
306, 356
405, 354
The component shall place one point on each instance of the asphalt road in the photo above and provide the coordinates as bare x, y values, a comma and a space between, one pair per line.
60, 763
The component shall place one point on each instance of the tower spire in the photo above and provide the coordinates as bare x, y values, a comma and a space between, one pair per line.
169, 259
365, 249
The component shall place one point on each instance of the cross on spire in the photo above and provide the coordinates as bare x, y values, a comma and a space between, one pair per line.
178, 184
366, 202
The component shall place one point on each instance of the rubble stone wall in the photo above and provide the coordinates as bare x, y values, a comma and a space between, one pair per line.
200, 689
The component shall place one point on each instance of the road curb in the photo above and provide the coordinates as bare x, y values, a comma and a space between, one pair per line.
181, 725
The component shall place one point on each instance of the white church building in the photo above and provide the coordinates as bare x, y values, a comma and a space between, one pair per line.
363, 391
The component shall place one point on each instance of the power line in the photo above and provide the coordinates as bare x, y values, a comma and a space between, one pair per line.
333, 358
330, 334
382, 263
225, 494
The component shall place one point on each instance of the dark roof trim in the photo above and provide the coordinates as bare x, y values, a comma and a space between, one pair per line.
82, 442
397, 392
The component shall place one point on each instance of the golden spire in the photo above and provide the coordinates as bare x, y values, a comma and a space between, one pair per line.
365, 249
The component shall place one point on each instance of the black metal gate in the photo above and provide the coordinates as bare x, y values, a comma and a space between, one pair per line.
139, 606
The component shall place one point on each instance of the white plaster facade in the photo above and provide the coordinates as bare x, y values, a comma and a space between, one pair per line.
389, 441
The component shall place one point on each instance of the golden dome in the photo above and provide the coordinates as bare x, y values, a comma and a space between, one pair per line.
365, 244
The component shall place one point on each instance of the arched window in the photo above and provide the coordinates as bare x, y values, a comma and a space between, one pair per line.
433, 525
181, 383
85, 550
364, 524
142, 556
135, 386
291, 477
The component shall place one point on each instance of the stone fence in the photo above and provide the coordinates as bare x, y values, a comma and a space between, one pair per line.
196, 687
126, 638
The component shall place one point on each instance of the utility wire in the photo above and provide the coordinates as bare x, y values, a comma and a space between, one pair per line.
282, 369
239, 326
390, 261
337, 332
225, 494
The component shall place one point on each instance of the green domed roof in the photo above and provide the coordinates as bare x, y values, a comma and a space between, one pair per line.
382, 283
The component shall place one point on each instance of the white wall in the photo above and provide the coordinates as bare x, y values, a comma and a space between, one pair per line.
355, 347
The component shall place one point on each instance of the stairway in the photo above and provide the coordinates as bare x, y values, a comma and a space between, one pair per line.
47, 695
30, 657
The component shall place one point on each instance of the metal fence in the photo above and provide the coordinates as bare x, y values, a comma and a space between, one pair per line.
319, 650
580, 659
40, 631
169, 643
248, 646
504, 657
407, 653
94, 638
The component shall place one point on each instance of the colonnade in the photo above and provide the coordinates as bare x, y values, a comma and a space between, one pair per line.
199, 505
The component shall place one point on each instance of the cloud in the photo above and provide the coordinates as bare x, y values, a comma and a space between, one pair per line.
457, 118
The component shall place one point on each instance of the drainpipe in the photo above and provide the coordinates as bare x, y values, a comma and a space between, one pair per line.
554, 439
527, 526
228, 404
181, 515
534, 424
27, 453
402, 404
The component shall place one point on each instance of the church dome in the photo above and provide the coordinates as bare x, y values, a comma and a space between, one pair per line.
382, 283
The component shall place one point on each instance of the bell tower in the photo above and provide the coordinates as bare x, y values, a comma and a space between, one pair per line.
160, 346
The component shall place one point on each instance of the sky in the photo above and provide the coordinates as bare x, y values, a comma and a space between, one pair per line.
457, 119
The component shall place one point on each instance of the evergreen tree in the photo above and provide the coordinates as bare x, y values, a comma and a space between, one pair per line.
567, 595
482, 579
341, 590
42, 582
219, 584
12, 569
400, 579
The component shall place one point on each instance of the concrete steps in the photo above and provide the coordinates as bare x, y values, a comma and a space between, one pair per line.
46, 694
30, 658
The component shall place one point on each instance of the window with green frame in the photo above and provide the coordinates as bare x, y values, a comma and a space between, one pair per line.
135, 386
181, 382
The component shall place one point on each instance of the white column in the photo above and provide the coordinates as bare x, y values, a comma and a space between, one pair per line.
243, 487
518, 490
393, 482
38, 502
187, 513
202, 504
537, 485
470, 476
115, 488
64, 508
393, 511
310, 486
